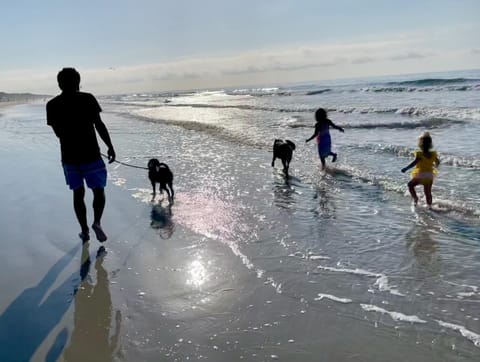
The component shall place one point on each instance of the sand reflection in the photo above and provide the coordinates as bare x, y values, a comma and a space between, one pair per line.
421, 240
283, 194
209, 215
93, 316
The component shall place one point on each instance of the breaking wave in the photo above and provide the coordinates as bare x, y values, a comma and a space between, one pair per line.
425, 123
426, 85
435, 81
442, 205
320, 91
214, 130
402, 151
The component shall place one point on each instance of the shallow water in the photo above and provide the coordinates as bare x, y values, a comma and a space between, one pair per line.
331, 265
348, 237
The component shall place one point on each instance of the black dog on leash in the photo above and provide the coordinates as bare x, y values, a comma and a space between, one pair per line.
284, 151
159, 172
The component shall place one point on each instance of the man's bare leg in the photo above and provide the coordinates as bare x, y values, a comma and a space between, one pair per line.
81, 212
98, 207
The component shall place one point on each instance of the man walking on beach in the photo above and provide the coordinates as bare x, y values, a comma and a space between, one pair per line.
74, 117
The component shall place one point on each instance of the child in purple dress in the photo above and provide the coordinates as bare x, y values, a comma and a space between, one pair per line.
322, 133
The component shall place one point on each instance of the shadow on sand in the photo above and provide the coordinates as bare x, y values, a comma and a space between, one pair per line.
32, 316
93, 318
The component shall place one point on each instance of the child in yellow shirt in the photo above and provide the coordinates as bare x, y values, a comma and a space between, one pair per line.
426, 163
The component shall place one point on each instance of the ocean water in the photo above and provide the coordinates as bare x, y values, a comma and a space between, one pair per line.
339, 264
348, 237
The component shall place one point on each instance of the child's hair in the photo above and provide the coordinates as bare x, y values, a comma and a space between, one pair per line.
425, 142
320, 115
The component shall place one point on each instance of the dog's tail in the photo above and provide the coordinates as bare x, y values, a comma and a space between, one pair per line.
163, 165
291, 144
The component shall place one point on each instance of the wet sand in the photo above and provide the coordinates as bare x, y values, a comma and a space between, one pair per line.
159, 290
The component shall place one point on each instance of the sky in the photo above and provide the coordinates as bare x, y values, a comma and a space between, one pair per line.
121, 46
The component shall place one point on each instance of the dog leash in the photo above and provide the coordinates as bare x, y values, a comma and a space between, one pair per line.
125, 164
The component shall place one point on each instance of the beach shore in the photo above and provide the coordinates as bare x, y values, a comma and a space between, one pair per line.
162, 287
5, 104
8, 103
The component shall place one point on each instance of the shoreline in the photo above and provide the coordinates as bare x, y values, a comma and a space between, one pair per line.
200, 278
4, 104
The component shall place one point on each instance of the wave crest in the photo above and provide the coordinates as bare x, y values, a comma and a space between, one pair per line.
434, 81
425, 123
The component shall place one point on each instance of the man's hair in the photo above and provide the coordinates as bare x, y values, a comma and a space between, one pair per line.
68, 79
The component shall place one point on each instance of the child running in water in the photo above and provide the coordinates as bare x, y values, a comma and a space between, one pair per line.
426, 163
322, 133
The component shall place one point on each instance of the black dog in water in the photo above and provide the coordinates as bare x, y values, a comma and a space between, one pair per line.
284, 151
159, 172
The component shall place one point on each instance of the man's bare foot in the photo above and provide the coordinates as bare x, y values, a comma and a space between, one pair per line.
84, 235
99, 233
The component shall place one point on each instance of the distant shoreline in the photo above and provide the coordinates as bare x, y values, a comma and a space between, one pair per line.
5, 104
7, 100
11, 103
18, 98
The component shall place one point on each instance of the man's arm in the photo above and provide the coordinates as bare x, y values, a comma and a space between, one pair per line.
105, 136
50, 120
57, 133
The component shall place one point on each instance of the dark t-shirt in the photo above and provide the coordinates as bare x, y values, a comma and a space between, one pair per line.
72, 116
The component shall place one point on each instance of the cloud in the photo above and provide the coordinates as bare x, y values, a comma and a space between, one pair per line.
251, 67
363, 60
29, 80
261, 61
410, 55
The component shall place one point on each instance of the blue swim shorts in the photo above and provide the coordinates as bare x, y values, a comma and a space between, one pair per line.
94, 174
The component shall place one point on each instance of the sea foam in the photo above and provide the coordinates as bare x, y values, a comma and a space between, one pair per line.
397, 316
472, 336
381, 281
332, 297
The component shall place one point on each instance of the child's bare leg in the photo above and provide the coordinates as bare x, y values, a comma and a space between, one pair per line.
334, 156
322, 159
428, 193
411, 188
